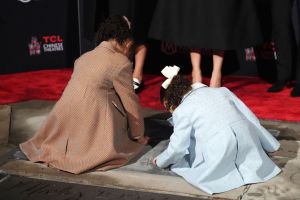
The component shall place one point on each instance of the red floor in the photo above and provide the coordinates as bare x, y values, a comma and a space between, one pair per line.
49, 84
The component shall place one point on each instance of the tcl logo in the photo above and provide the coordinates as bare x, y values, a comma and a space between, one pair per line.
52, 39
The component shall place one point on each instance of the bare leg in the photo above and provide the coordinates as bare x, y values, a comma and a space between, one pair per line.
196, 62
216, 76
140, 55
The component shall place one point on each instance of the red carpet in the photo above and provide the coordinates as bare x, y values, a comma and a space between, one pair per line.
49, 84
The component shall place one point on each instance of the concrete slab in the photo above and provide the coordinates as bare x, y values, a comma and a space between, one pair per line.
286, 186
5, 112
26, 118
143, 162
290, 130
6, 148
139, 174
288, 149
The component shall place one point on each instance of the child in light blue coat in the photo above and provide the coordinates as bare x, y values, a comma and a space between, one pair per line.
218, 144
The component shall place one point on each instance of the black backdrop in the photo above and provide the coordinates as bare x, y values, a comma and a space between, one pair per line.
47, 34
39, 34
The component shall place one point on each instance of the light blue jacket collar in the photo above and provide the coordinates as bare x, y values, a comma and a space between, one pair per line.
194, 86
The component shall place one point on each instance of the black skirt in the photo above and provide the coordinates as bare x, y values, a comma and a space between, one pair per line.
212, 24
139, 13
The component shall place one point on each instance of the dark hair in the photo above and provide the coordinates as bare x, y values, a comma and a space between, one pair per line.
114, 27
174, 93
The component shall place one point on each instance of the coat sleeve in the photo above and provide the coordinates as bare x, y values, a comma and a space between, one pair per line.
269, 143
179, 142
124, 88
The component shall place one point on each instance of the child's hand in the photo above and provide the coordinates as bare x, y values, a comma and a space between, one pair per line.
154, 161
143, 140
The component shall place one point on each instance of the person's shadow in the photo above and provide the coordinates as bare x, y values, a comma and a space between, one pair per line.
158, 128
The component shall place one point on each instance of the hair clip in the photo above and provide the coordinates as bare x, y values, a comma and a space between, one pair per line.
169, 72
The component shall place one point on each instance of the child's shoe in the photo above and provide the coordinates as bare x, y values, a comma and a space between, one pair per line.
137, 85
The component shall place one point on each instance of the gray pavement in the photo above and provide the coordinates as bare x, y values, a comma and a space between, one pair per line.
140, 175
16, 187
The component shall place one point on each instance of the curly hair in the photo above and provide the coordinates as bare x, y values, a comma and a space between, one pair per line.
114, 27
173, 95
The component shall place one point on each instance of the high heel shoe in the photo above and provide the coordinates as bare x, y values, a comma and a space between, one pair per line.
296, 90
277, 86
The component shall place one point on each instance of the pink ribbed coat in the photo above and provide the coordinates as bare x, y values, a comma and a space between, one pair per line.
91, 125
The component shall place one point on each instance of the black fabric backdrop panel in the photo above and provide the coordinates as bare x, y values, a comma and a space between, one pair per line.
43, 34
39, 34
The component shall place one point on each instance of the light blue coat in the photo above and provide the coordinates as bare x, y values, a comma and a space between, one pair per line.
218, 144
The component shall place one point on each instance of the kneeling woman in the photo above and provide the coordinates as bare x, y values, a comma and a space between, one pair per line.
87, 128
218, 144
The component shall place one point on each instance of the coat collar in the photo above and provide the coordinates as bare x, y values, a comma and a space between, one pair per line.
195, 86
107, 45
